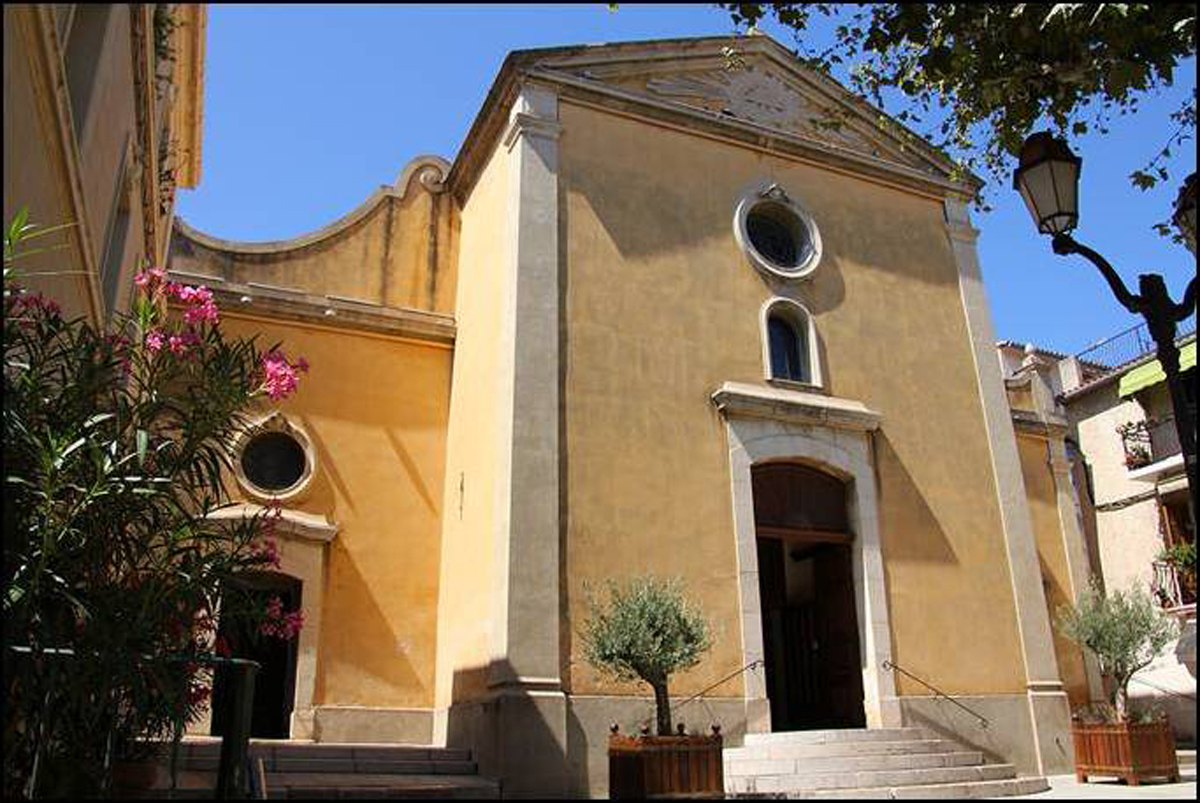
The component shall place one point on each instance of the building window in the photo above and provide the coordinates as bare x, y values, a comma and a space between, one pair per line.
789, 347
786, 360
274, 459
118, 233
85, 42
779, 238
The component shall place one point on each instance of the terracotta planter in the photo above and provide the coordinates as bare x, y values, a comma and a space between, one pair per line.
1131, 751
642, 767
133, 776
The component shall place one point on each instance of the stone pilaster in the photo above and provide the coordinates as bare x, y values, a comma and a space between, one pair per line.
524, 680
1049, 711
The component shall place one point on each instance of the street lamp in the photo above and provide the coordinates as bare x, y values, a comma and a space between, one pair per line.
1048, 180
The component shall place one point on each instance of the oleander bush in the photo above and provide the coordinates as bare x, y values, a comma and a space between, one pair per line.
115, 457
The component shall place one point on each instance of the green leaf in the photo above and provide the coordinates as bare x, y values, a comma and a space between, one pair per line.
143, 441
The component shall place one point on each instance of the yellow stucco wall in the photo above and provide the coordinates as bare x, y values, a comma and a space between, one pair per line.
661, 307
375, 410
1042, 495
473, 459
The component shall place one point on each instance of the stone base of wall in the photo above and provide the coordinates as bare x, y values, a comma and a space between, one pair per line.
548, 744
336, 723
1009, 736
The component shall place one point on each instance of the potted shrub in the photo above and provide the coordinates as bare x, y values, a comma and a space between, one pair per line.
647, 631
1182, 557
1125, 631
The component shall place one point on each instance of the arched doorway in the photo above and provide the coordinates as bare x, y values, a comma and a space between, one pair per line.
275, 683
807, 596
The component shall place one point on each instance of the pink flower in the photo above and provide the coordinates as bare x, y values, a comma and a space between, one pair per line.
280, 624
155, 340
201, 307
180, 343
267, 552
280, 376
150, 278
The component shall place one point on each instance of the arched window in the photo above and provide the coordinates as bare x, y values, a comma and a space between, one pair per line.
788, 341
787, 355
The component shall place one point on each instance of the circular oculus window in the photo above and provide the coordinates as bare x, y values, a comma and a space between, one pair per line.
274, 461
777, 236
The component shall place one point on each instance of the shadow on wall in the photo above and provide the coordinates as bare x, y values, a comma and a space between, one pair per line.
924, 537
364, 639
950, 722
508, 734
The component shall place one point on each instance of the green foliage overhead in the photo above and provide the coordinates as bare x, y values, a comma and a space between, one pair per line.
1124, 630
977, 78
646, 631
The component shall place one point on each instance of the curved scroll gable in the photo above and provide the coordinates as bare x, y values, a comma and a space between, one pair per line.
429, 171
393, 250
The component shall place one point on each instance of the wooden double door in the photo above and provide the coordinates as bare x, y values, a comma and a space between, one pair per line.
810, 635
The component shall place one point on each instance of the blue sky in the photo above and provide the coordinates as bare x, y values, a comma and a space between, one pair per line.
309, 108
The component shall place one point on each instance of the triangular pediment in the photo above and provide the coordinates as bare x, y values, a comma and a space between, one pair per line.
762, 85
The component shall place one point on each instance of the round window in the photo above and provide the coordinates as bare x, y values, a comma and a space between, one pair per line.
778, 237
274, 461
777, 234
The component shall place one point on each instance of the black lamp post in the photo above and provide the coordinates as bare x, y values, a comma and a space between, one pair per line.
1048, 180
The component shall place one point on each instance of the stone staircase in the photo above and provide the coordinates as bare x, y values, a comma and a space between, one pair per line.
319, 770
879, 764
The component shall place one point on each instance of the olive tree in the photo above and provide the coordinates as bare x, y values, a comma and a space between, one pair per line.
1124, 630
646, 631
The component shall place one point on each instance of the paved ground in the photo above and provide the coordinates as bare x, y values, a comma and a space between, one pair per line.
1065, 787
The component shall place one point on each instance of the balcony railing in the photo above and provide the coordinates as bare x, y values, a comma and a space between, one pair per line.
1126, 347
1171, 593
1149, 441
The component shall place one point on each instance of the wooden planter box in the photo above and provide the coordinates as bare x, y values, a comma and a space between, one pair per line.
1131, 751
642, 767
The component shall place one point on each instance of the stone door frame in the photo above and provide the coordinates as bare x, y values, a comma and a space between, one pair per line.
765, 424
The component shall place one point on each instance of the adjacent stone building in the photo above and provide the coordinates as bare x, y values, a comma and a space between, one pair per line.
659, 315
1115, 454
102, 113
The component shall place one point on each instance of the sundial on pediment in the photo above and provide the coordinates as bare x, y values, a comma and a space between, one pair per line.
756, 94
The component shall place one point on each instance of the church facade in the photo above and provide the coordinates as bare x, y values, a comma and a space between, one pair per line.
670, 313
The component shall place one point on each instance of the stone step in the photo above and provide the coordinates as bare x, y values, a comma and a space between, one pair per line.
878, 761
834, 749
1008, 787
357, 786
870, 779
343, 765
275, 748
1187, 758
200, 786
838, 736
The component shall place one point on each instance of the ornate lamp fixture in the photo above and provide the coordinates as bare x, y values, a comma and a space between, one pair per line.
1048, 180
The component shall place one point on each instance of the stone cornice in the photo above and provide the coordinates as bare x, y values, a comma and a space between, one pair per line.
333, 311
1027, 423
307, 526
738, 399
530, 125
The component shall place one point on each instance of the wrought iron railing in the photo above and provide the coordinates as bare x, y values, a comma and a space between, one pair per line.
1127, 346
1167, 588
645, 721
983, 721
